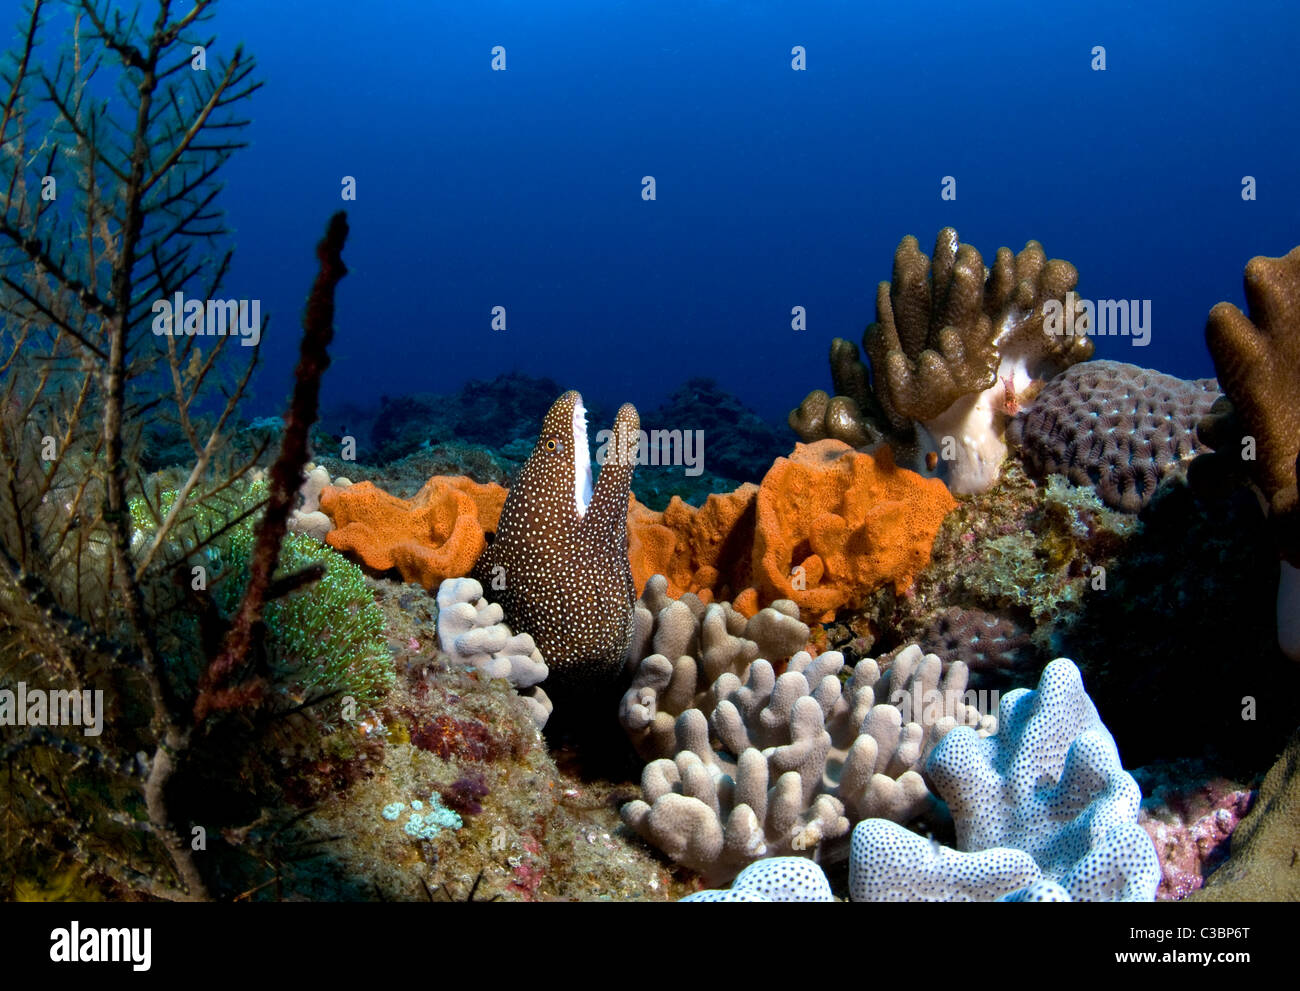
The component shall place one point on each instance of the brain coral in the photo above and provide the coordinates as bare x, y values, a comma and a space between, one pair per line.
1115, 426
996, 650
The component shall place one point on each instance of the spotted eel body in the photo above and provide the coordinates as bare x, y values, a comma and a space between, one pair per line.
558, 566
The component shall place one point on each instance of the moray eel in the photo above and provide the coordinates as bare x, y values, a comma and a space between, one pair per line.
558, 566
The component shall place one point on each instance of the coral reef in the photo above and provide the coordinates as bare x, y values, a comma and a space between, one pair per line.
471, 631
1028, 554
1117, 427
1048, 784
954, 346
437, 534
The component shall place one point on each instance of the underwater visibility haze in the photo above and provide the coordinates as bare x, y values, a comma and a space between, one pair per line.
731, 451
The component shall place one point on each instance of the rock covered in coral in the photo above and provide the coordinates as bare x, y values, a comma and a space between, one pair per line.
1191, 838
1117, 427
437, 534
471, 632
953, 349
559, 564
997, 651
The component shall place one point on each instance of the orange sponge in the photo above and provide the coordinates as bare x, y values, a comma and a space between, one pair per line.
834, 525
437, 534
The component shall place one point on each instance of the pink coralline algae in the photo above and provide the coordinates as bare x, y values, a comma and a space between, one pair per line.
1191, 833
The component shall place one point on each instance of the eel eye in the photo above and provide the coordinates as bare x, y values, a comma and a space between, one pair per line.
554, 445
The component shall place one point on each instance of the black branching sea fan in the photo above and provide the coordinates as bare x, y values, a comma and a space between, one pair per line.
114, 127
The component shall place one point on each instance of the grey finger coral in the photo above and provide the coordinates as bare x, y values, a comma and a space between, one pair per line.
683, 647
955, 346
472, 632
764, 764
1114, 426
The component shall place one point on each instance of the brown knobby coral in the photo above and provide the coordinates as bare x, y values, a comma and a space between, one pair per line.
954, 345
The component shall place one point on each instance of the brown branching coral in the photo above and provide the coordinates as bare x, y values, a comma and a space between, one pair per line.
1255, 430
953, 345
933, 340
1257, 358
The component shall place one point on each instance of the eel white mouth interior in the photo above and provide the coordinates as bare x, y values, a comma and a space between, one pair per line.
581, 461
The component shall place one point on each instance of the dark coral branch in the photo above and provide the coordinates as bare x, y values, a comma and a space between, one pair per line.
286, 474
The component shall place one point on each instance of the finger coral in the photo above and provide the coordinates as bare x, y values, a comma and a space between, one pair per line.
1257, 358
765, 765
1117, 427
683, 646
436, 534
953, 347
471, 632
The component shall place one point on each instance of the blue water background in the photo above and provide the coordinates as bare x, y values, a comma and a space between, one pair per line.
775, 188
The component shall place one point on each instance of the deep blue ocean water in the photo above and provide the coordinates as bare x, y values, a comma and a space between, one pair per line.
775, 188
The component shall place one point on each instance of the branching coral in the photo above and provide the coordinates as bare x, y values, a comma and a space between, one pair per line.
764, 764
1257, 358
471, 632
953, 345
